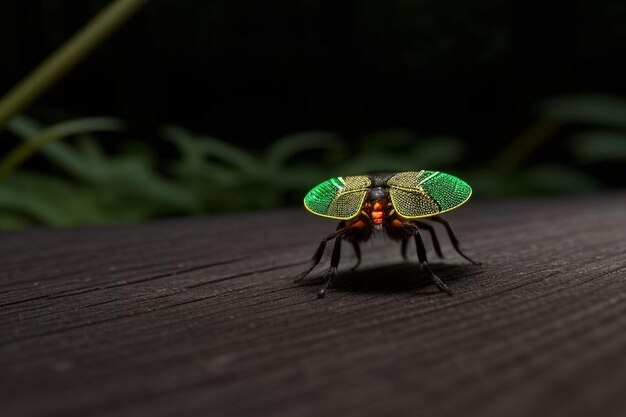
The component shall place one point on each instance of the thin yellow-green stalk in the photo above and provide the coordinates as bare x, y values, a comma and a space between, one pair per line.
66, 57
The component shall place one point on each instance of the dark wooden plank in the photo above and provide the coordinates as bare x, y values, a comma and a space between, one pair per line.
199, 317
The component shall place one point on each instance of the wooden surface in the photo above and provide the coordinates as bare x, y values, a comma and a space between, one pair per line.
200, 317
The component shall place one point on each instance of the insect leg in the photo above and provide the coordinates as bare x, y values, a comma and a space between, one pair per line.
319, 253
357, 251
453, 239
433, 236
421, 256
332, 271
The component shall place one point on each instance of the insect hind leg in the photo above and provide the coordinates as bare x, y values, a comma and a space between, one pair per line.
453, 238
433, 236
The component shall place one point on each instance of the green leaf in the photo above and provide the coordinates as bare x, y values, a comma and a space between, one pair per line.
366, 163
24, 126
388, 140
63, 155
210, 147
587, 108
133, 177
299, 178
436, 152
287, 147
193, 164
490, 183
46, 200
10, 220
599, 145
555, 179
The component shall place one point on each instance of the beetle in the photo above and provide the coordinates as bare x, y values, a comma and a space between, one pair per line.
396, 203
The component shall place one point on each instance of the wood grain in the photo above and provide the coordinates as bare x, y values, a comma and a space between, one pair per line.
200, 317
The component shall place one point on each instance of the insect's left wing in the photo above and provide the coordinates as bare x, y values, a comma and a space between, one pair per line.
426, 193
339, 197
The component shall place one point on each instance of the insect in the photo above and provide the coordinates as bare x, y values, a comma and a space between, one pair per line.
396, 203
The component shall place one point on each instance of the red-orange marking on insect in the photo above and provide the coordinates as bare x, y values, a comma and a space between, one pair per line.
377, 213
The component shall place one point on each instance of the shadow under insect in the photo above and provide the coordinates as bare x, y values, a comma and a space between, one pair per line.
392, 278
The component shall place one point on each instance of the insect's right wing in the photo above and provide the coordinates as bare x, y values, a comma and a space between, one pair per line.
339, 198
424, 193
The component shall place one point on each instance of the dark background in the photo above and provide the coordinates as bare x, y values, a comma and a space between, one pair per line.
248, 72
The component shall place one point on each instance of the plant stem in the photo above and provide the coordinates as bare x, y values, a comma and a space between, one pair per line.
66, 57
21, 153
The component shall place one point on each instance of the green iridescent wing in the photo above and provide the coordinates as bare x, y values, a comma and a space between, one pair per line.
426, 193
338, 198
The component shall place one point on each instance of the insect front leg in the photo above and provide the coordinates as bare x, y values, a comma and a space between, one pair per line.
320, 252
423, 260
332, 271
453, 239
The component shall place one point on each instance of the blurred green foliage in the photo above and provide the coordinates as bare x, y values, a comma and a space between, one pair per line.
84, 184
